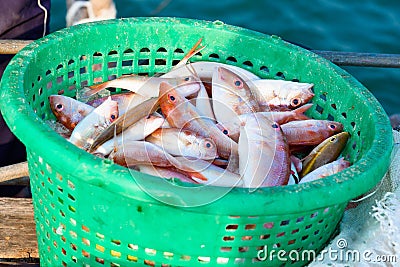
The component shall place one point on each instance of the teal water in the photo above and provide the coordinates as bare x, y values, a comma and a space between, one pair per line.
342, 25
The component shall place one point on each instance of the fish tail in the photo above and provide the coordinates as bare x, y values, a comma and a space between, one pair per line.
233, 164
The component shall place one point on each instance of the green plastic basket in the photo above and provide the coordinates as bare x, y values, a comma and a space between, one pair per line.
91, 212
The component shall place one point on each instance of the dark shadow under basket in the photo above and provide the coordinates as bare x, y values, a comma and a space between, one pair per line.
91, 211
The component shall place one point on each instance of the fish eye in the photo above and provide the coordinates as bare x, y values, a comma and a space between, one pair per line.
208, 145
225, 131
238, 83
187, 79
171, 97
332, 126
295, 102
59, 106
113, 117
275, 126
333, 139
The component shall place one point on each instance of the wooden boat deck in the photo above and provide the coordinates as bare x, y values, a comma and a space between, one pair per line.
18, 245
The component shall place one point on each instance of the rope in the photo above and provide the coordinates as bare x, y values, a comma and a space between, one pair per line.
45, 16
160, 7
396, 146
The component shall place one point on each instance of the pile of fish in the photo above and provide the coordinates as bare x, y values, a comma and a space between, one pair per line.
207, 123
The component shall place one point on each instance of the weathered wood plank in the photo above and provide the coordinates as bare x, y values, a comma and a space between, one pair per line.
17, 229
19, 264
10, 172
11, 47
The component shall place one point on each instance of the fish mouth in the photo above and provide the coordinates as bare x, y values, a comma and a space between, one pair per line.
309, 88
309, 93
220, 74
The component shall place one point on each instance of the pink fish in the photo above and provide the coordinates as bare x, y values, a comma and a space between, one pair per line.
69, 111
263, 153
326, 170
148, 86
281, 95
184, 143
310, 132
181, 114
206, 173
232, 128
165, 172
231, 96
133, 153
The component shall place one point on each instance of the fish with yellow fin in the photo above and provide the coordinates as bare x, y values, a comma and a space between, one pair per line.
324, 153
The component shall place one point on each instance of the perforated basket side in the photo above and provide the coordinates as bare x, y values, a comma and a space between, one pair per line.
80, 224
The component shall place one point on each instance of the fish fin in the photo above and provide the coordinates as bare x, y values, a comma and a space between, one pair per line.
197, 175
193, 71
115, 139
96, 88
193, 51
301, 110
233, 163
219, 162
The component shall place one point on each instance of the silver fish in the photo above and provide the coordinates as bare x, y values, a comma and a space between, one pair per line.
326, 170
137, 131
88, 129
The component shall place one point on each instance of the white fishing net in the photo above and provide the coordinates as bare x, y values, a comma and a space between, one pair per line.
370, 232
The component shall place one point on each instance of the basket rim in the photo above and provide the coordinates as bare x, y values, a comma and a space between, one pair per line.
336, 189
